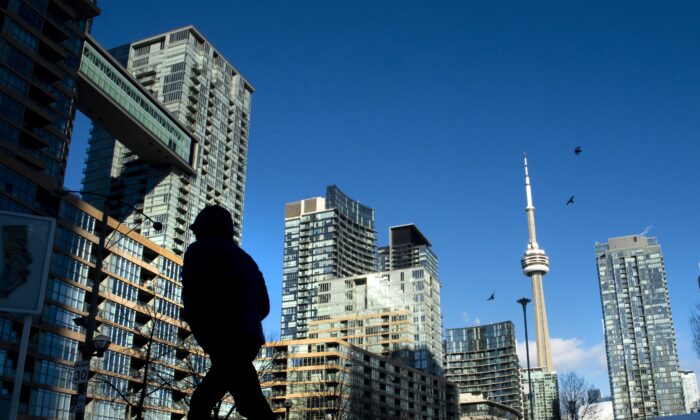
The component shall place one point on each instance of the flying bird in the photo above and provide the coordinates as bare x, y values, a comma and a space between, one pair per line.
571, 200
578, 150
493, 296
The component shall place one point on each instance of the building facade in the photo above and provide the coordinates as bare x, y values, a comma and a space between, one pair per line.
139, 310
40, 51
332, 379
474, 406
483, 360
203, 91
408, 247
395, 313
545, 394
640, 339
690, 391
324, 238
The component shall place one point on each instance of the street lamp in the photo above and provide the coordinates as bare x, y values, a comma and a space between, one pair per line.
96, 345
287, 406
524, 302
100, 343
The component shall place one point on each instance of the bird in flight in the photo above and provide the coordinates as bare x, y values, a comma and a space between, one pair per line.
578, 150
571, 200
493, 296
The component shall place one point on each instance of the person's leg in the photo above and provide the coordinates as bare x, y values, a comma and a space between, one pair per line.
244, 386
208, 393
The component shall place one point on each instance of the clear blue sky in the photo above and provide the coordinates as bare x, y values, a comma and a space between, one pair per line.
422, 110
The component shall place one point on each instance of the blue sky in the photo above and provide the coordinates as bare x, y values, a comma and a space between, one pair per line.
423, 110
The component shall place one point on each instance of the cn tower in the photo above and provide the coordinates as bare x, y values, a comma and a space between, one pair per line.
535, 265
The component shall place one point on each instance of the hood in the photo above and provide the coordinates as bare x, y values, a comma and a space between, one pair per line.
213, 221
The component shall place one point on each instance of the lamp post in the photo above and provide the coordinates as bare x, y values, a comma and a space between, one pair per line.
524, 302
96, 345
287, 405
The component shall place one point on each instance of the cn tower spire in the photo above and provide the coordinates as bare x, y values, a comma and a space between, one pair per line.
535, 265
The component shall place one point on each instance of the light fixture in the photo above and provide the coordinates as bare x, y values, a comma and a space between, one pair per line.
101, 343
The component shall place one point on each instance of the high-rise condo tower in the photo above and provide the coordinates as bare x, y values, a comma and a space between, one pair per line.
324, 238
640, 341
535, 265
212, 100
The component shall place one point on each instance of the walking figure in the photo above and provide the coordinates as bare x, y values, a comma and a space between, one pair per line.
225, 300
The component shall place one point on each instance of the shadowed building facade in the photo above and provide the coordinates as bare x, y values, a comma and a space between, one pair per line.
640, 340
209, 97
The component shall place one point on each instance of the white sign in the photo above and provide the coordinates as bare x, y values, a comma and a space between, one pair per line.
81, 371
25, 253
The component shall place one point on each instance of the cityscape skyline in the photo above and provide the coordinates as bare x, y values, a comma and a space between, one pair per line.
572, 281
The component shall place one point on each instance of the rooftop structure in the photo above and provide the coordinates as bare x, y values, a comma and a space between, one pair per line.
408, 247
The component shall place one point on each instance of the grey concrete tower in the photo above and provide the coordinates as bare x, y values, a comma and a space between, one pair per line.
535, 265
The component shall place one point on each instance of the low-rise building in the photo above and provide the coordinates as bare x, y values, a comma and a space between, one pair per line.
474, 406
330, 378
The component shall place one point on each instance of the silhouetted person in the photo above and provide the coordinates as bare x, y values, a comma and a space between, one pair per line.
225, 299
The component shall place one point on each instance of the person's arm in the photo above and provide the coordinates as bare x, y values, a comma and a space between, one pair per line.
264, 302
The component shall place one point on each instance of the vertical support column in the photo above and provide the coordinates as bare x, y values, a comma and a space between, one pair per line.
544, 351
17, 388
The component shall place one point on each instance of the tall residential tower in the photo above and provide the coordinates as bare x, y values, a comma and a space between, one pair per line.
640, 340
535, 265
210, 97
324, 238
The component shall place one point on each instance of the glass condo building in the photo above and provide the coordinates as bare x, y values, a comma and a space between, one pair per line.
640, 339
483, 360
324, 238
212, 100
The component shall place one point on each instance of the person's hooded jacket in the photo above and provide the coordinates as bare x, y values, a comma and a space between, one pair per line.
223, 291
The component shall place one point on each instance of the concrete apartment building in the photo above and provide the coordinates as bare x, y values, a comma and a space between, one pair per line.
328, 378
483, 360
324, 238
207, 95
640, 340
